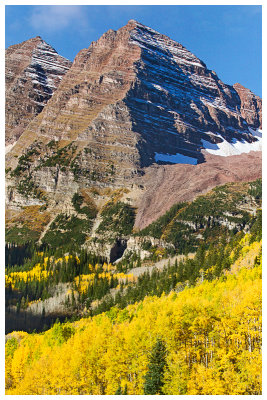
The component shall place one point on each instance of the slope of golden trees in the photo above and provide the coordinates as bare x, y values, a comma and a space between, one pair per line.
212, 334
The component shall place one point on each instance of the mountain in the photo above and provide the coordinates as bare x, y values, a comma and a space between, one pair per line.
134, 112
33, 71
143, 81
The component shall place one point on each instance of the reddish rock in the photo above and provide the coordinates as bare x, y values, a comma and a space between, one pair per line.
170, 184
33, 72
136, 94
251, 106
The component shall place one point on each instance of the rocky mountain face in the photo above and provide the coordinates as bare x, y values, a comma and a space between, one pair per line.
132, 101
142, 95
251, 106
33, 72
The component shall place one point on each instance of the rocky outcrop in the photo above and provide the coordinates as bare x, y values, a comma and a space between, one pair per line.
33, 72
251, 106
135, 244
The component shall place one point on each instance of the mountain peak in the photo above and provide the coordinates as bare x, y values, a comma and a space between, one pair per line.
36, 39
33, 72
132, 21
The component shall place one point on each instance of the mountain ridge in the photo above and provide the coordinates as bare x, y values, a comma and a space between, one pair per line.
33, 72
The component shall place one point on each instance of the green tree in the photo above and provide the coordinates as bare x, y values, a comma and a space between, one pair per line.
119, 391
157, 365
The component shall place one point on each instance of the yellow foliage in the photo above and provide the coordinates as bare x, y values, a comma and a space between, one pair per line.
212, 333
84, 281
38, 272
32, 217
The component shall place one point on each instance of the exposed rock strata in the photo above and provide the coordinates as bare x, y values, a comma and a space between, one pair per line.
251, 106
134, 94
33, 72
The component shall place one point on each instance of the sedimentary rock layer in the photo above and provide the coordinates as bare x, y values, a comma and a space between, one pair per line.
251, 106
33, 72
135, 96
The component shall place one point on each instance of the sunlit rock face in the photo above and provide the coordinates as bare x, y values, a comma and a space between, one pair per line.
33, 71
251, 106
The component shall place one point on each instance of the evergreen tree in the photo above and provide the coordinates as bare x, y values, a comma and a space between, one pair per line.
157, 364
118, 391
73, 303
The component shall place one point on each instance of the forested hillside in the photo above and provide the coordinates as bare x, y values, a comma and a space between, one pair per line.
63, 280
204, 339
189, 326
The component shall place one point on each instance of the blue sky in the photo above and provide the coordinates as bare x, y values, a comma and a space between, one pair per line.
227, 38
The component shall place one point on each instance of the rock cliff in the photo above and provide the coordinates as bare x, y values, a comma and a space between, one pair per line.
251, 106
33, 72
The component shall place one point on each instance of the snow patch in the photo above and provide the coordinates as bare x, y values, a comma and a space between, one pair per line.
234, 148
175, 158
